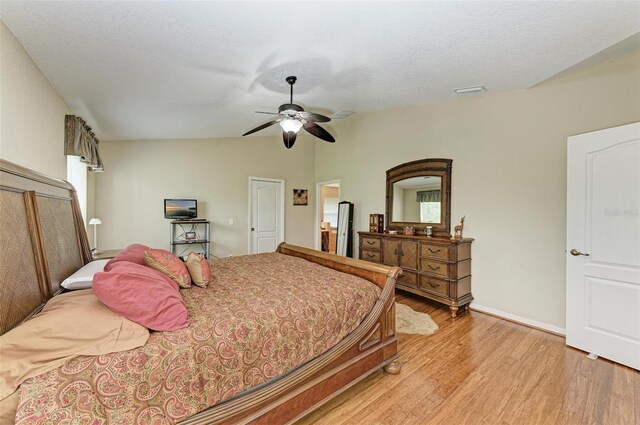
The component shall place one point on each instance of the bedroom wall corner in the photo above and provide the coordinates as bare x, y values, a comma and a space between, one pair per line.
140, 174
31, 112
509, 173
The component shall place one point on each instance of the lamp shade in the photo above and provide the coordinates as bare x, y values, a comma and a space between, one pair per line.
290, 124
95, 221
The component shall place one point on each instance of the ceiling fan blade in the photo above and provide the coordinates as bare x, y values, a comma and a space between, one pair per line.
319, 132
261, 127
310, 116
268, 113
289, 138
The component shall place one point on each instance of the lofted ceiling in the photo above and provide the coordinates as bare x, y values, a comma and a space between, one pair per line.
178, 69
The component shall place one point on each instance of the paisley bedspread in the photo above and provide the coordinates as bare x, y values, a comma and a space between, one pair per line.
262, 316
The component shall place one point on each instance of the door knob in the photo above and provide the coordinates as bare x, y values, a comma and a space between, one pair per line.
576, 253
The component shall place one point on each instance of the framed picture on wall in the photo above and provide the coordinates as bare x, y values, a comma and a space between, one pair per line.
300, 197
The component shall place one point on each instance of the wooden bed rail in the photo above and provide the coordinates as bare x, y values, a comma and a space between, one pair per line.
376, 273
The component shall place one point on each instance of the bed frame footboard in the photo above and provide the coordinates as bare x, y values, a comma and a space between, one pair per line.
371, 346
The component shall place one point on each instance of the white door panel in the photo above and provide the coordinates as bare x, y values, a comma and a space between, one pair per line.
267, 215
614, 189
266, 244
601, 294
603, 221
267, 208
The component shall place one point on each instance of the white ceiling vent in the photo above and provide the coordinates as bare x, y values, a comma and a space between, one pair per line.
470, 90
341, 115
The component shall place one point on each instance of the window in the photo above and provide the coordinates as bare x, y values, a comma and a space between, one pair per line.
77, 176
330, 211
430, 212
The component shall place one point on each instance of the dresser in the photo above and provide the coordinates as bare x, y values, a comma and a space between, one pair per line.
437, 268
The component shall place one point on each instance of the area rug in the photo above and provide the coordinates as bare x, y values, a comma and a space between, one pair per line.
409, 321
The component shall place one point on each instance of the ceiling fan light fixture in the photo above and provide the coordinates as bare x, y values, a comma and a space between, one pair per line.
290, 124
292, 118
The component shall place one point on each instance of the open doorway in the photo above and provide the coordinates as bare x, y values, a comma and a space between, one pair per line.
327, 198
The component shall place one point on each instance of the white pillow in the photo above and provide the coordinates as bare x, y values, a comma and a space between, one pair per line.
83, 278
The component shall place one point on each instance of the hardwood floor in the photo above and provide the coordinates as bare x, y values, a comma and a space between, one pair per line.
478, 369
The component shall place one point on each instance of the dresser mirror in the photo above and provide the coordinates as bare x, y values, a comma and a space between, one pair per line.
419, 195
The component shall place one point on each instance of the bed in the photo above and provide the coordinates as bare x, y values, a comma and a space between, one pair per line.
44, 241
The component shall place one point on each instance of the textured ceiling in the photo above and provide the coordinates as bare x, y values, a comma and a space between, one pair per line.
147, 70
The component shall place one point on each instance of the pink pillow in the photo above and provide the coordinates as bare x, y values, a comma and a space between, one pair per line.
199, 269
142, 295
133, 253
168, 264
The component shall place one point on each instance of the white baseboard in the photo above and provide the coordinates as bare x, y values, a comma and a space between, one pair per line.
519, 319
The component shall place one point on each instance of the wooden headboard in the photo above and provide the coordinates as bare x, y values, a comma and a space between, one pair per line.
42, 241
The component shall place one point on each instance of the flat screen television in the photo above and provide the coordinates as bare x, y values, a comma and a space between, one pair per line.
180, 209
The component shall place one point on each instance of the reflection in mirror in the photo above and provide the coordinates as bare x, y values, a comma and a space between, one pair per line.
344, 243
417, 200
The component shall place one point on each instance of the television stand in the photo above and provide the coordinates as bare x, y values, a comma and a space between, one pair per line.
190, 235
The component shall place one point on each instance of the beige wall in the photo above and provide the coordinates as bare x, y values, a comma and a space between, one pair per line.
411, 208
31, 112
509, 173
141, 174
330, 192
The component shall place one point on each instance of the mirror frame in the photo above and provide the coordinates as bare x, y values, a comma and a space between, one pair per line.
437, 167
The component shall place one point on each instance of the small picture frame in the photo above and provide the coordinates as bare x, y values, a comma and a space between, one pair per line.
300, 197
190, 236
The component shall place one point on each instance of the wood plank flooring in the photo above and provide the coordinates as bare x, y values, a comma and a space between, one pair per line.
478, 369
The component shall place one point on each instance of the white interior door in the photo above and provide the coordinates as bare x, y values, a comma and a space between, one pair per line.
603, 243
267, 214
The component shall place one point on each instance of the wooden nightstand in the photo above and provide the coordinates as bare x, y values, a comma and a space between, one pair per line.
107, 255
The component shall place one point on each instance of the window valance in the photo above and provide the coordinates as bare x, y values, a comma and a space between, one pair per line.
428, 196
82, 142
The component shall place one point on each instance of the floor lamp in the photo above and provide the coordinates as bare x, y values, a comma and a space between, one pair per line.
94, 222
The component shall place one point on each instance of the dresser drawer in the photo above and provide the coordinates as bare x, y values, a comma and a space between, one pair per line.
434, 251
409, 278
435, 267
370, 243
373, 256
435, 285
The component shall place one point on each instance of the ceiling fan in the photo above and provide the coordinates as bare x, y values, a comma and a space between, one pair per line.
292, 118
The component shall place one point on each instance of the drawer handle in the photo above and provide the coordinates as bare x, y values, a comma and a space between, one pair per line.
433, 285
402, 253
434, 252
370, 255
371, 242
395, 251
433, 268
